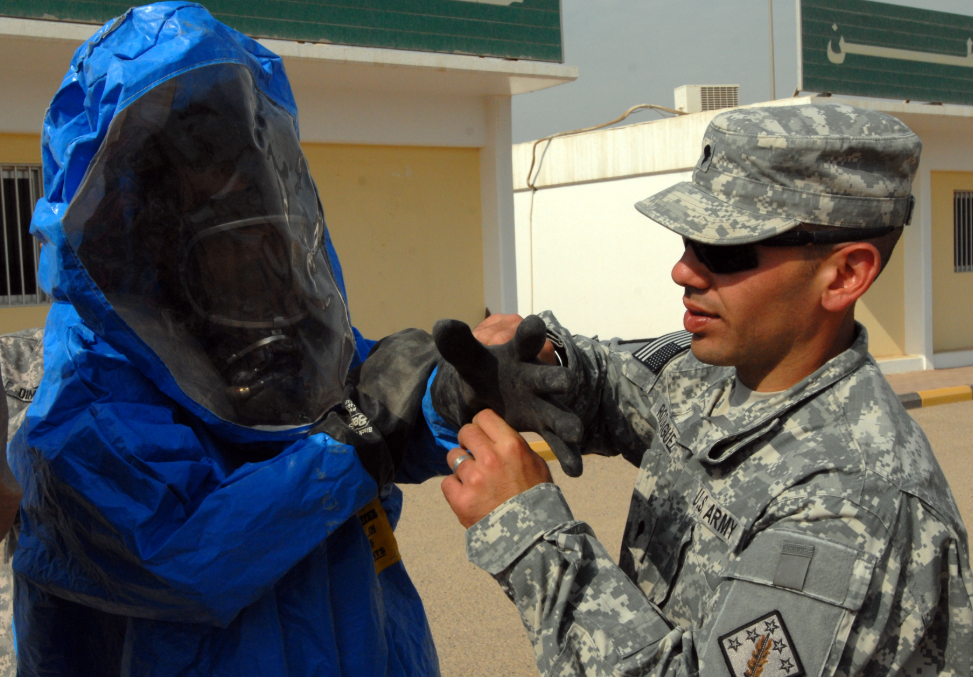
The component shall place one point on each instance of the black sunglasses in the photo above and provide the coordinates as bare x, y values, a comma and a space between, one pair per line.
723, 259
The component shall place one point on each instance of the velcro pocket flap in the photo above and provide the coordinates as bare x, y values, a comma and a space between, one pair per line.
807, 565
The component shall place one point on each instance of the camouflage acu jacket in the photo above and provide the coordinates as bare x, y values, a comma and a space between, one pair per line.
21, 367
810, 533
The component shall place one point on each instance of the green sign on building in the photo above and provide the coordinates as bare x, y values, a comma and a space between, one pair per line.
515, 29
875, 49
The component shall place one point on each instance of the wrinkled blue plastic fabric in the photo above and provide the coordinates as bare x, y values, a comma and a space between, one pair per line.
137, 539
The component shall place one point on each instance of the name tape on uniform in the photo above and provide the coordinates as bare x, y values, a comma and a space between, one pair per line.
714, 516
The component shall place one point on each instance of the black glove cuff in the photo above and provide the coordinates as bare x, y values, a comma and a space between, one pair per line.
348, 424
383, 402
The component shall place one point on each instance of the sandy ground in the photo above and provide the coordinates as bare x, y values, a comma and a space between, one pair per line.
950, 431
477, 630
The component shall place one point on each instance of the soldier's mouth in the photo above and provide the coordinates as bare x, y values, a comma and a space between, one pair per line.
696, 320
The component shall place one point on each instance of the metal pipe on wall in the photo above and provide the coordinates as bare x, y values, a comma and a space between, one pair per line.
773, 78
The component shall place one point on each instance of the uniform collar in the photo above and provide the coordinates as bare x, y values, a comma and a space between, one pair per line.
714, 439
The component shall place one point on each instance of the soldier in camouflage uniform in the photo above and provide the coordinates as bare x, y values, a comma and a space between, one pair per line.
21, 367
798, 526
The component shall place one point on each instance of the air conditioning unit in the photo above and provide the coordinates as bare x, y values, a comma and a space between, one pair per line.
698, 98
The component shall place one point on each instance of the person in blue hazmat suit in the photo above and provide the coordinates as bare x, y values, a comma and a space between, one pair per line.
202, 460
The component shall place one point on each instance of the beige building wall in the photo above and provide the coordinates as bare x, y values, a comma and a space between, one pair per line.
951, 291
406, 223
21, 149
405, 220
882, 308
22, 317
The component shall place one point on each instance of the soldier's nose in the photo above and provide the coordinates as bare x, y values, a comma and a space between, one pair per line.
689, 272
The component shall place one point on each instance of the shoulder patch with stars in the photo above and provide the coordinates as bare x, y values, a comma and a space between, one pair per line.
656, 353
761, 648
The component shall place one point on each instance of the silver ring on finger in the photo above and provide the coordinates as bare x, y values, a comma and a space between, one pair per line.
465, 457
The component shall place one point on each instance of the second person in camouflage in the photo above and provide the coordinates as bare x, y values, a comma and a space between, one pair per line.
789, 517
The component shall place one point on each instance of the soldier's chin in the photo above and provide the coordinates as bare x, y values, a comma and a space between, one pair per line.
708, 350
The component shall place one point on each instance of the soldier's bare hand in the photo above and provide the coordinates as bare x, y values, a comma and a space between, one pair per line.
498, 329
502, 466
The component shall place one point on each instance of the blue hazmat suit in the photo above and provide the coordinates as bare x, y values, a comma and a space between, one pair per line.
167, 530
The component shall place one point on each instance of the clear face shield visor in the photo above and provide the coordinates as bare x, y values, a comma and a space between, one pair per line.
199, 222
268, 296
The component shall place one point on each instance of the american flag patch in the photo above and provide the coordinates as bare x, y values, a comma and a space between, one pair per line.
761, 648
656, 353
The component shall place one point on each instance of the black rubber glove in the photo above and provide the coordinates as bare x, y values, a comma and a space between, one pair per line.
383, 402
509, 379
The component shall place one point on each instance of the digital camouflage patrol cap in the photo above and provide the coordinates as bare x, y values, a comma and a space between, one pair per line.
766, 170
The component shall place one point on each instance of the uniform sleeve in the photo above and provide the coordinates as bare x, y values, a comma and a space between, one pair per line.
613, 395
583, 615
821, 589
21, 367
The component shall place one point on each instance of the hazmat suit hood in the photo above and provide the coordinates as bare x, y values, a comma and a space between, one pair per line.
181, 222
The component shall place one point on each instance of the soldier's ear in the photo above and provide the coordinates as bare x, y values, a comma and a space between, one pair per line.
847, 273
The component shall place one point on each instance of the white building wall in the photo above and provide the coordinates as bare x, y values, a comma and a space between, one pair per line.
601, 266
390, 118
584, 252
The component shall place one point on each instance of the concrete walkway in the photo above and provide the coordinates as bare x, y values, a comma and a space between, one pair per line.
932, 379
935, 386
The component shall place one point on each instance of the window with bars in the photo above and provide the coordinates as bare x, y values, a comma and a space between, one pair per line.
963, 231
22, 186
